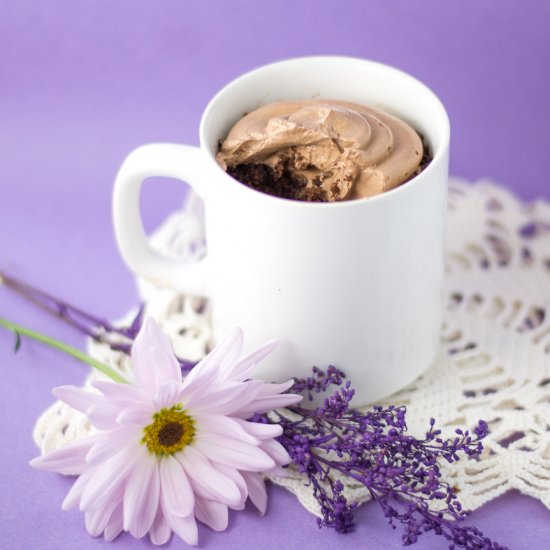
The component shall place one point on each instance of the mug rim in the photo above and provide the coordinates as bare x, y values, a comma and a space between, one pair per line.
438, 156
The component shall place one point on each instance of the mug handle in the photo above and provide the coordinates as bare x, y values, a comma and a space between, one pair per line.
182, 162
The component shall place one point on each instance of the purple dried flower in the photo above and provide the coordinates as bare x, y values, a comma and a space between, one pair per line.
400, 472
319, 381
482, 429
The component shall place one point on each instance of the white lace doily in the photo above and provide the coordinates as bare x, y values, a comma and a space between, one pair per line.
494, 361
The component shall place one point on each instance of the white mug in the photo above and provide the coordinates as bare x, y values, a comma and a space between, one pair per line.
356, 284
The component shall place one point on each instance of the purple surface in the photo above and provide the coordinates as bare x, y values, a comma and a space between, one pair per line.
82, 83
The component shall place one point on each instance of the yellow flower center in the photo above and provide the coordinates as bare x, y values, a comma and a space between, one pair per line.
171, 431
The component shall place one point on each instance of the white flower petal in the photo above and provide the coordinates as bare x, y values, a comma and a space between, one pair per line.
245, 366
232, 354
141, 497
97, 520
114, 527
166, 366
143, 371
153, 359
207, 370
184, 527
109, 475
167, 395
266, 404
222, 398
280, 387
158, 339
194, 387
108, 444
160, 532
238, 479
276, 451
176, 494
125, 393
140, 414
77, 398
256, 490
207, 480
236, 454
214, 514
70, 460
258, 430
103, 415
75, 492
212, 426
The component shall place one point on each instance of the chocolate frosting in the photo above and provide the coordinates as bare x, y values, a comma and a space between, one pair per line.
350, 150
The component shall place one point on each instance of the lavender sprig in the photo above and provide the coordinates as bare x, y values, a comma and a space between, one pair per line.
400, 472
117, 338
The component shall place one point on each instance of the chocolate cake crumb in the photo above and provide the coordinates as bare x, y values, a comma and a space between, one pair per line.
278, 181
426, 158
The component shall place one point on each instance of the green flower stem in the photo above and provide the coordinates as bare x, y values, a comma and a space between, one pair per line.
69, 350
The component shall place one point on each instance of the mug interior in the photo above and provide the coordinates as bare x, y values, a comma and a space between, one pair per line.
345, 78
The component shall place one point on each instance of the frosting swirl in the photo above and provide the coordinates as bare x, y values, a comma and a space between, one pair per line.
347, 150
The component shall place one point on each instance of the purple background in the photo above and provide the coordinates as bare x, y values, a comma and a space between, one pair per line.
82, 83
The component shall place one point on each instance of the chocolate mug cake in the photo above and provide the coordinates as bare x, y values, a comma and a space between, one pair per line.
322, 150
